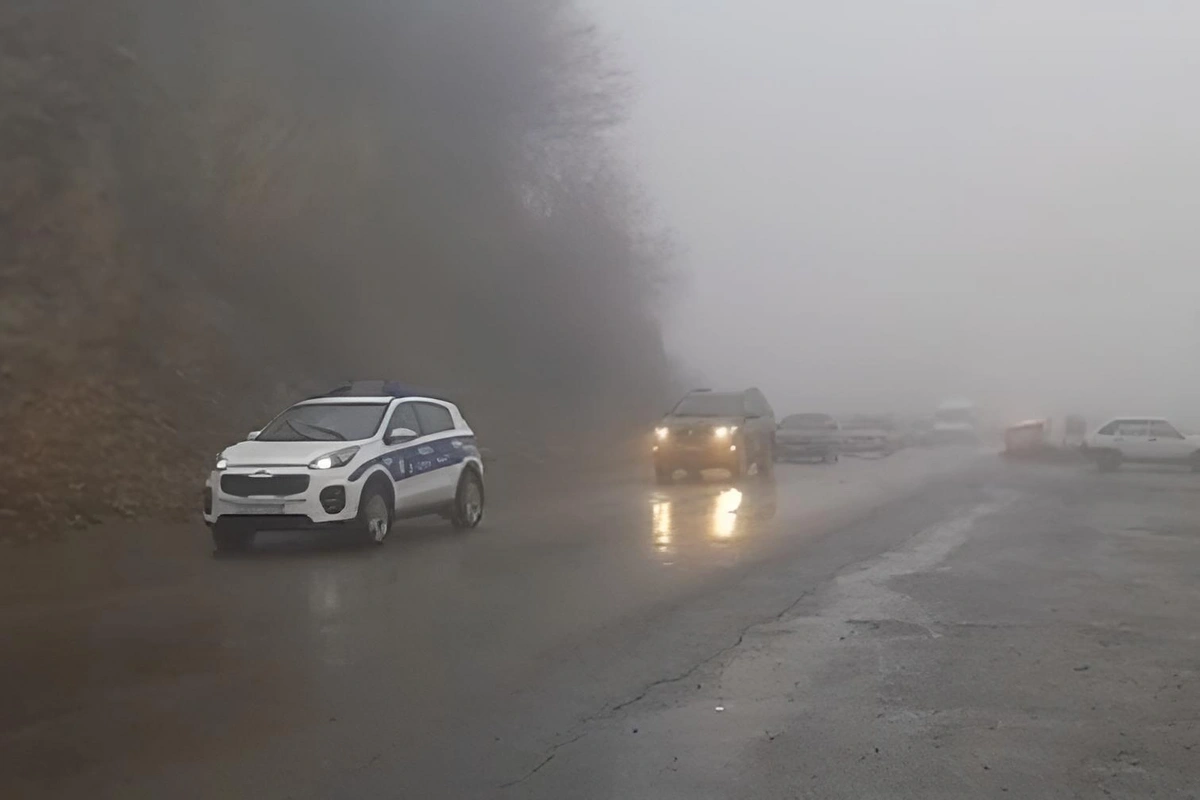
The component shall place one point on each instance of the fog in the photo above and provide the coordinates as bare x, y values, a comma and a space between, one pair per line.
883, 203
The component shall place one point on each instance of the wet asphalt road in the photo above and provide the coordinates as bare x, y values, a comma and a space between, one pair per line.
933, 624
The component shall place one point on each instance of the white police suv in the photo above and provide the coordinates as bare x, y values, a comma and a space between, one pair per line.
357, 458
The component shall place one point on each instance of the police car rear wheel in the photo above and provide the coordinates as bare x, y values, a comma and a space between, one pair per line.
468, 501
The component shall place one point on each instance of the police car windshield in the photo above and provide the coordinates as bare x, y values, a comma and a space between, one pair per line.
325, 422
709, 405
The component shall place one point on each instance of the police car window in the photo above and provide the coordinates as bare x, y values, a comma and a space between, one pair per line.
404, 417
434, 418
325, 422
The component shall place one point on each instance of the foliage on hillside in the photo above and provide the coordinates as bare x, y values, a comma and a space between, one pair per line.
208, 209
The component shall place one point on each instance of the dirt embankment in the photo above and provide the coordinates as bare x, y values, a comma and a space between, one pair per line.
209, 211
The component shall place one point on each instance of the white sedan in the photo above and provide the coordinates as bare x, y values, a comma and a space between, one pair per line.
1141, 440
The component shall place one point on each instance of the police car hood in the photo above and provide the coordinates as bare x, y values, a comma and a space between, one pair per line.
280, 454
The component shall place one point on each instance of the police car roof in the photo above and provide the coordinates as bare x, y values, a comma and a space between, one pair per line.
365, 390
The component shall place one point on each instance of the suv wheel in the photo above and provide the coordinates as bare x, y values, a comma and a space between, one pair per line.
374, 515
741, 466
766, 463
468, 501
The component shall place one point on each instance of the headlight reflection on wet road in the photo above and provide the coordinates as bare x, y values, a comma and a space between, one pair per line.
724, 515
660, 514
716, 519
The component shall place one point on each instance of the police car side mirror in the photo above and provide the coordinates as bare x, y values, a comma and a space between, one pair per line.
399, 435
252, 435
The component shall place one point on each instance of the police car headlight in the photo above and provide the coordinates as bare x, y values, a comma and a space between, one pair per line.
339, 458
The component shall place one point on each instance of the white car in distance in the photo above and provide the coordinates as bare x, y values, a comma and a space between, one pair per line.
1141, 440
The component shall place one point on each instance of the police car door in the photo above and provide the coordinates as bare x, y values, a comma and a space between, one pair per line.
438, 456
399, 457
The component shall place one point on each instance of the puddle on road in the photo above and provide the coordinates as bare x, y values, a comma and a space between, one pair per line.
708, 516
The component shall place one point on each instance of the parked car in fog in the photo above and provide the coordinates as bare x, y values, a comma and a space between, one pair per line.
869, 434
956, 421
808, 436
1141, 440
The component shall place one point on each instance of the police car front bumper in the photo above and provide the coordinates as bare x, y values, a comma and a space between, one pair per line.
288, 498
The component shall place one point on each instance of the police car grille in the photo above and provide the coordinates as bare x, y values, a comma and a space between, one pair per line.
273, 486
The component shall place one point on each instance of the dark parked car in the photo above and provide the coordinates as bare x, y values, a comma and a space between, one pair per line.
729, 430
808, 436
864, 434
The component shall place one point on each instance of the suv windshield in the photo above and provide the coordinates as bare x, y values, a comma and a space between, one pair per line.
325, 422
820, 422
707, 404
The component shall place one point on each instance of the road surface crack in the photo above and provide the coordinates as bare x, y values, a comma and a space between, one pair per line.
650, 687
550, 754
741, 637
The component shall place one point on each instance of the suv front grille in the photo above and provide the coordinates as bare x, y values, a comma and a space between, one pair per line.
269, 486
693, 432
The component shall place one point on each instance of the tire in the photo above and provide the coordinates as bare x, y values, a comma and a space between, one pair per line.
468, 501
375, 514
230, 539
766, 464
830, 458
739, 469
663, 476
1108, 461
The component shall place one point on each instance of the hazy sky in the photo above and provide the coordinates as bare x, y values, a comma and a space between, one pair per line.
884, 202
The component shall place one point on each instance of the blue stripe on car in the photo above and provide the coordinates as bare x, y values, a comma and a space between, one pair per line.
418, 459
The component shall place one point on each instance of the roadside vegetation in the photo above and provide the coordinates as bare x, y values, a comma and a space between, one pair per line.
210, 209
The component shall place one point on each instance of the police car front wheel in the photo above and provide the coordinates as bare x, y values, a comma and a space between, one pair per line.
374, 515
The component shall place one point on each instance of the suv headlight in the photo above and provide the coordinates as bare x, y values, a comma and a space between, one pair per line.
724, 431
662, 433
338, 458
221, 462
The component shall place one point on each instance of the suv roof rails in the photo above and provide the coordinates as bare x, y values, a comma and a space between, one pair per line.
380, 388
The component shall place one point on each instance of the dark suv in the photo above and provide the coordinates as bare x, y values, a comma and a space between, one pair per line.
718, 430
